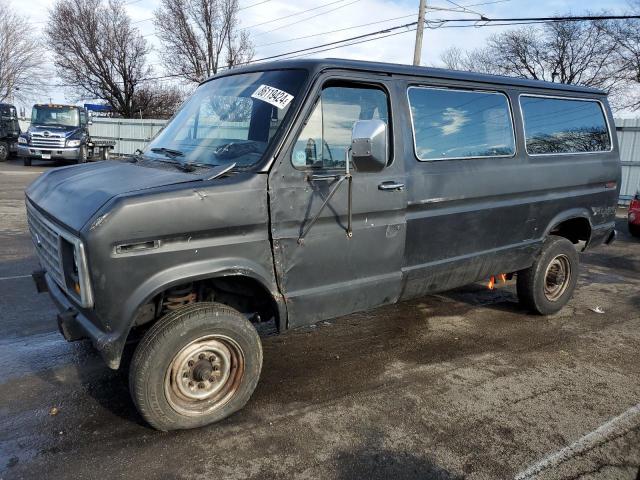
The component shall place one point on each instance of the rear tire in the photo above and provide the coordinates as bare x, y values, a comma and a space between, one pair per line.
195, 366
548, 285
26, 162
4, 151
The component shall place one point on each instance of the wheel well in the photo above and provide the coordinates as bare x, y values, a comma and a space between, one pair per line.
574, 229
242, 293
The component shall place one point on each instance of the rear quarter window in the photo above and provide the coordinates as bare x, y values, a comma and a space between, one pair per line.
450, 124
558, 126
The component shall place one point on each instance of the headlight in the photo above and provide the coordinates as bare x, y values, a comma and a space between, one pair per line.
73, 143
22, 141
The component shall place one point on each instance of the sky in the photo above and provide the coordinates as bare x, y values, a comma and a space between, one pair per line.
272, 36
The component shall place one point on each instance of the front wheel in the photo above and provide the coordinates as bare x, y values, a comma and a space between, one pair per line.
26, 161
4, 151
547, 285
195, 366
83, 154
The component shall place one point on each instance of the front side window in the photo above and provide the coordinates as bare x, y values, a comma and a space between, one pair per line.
557, 125
326, 137
228, 120
450, 124
54, 116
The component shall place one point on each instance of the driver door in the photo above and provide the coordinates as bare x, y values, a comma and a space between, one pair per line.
327, 273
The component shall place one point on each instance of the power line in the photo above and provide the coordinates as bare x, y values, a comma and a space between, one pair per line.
254, 4
335, 31
305, 19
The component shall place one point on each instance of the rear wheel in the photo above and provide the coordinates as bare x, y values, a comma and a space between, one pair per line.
26, 161
195, 366
4, 151
548, 284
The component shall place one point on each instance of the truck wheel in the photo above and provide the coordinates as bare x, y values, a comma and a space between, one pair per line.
82, 154
195, 366
547, 285
26, 161
4, 151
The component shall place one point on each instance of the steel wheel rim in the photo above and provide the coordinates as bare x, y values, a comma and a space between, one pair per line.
4, 153
204, 375
557, 277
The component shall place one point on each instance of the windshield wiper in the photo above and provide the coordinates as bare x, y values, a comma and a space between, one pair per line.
168, 151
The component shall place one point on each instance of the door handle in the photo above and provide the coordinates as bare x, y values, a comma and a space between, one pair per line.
391, 186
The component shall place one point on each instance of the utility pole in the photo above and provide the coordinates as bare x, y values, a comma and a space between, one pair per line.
417, 52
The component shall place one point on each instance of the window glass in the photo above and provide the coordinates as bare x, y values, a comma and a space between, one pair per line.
554, 125
326, 137
460, 124
231, 119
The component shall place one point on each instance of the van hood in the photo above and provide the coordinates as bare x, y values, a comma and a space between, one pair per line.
72, 195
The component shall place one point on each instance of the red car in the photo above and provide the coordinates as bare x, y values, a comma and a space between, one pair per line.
634, 215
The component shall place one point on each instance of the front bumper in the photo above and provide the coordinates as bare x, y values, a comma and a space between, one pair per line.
74, 325
66, 153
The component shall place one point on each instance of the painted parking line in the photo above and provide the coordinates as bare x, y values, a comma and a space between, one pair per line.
616, 427
14, 277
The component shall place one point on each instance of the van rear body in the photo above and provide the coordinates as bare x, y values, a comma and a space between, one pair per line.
293, 192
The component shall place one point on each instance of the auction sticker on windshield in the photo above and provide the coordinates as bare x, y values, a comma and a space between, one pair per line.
272, 95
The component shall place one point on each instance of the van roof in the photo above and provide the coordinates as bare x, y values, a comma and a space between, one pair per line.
317, 65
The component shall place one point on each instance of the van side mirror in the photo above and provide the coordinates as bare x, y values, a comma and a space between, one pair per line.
369, 145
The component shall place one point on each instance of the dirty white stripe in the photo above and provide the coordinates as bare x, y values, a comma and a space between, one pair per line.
615, 427
32, 172
15, 277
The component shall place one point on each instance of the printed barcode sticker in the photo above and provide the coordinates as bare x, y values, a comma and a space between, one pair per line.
273, 96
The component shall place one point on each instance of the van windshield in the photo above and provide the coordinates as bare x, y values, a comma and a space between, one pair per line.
55, 116
229, 120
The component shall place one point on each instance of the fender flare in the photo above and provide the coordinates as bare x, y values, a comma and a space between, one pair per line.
203, 270
569, 215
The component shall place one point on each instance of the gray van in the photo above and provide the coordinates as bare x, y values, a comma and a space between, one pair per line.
286, 193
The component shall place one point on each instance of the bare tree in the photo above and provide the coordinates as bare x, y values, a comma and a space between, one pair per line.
567, 52
478, 60
626, 35
156, 101
200, 36
98, 51
21, 70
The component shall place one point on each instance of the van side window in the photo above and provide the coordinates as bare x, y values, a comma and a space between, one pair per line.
558, 125
326, 137
450, 124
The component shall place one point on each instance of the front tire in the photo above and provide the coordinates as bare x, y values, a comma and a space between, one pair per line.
26, 161
548, 285
195, 366
83, 154
4, 151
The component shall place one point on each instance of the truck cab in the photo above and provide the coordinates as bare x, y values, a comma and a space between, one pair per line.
57, 132
9, 130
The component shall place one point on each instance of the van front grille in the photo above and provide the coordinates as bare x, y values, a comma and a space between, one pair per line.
47, 243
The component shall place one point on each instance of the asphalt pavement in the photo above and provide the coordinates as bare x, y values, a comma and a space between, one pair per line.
459, 385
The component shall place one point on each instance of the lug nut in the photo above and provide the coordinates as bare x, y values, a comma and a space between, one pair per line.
212, 379
201, 356
190, 363
201, 385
